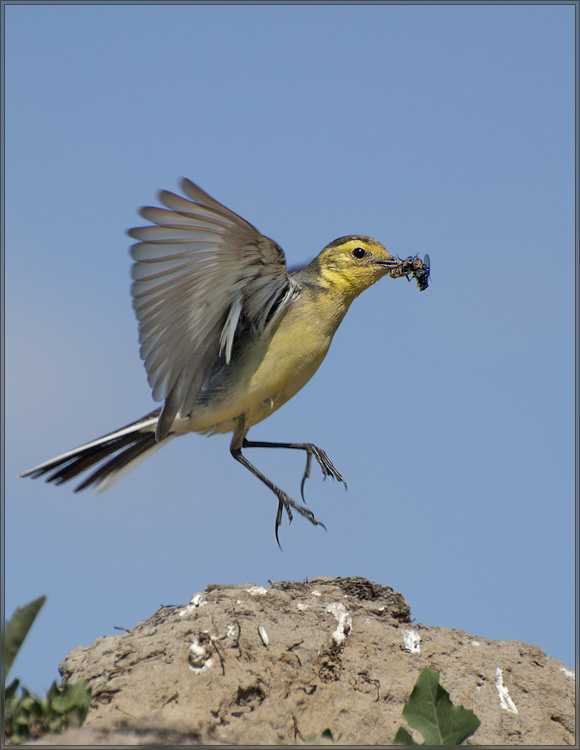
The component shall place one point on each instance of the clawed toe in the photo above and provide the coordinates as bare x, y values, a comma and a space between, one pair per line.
286, 503
327, 467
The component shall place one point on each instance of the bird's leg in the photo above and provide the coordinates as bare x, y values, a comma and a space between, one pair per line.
284, 502
326, 465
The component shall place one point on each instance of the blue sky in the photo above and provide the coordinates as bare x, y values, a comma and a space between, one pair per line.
436, 128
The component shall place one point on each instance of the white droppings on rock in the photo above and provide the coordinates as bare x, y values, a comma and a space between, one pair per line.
263, 635
411, 640
568, 673
505, 700
257, 591
200, 653
336, 609
196, 602
344, 621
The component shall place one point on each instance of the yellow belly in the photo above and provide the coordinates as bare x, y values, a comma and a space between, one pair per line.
293, 355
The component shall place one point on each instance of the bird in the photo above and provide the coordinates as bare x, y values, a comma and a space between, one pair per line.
227, 334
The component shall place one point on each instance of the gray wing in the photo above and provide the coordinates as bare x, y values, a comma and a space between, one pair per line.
200, 273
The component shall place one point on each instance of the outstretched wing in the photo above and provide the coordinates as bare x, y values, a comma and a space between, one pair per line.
200, 271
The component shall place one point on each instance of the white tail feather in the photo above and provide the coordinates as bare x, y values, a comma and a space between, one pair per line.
108, 481
139, 426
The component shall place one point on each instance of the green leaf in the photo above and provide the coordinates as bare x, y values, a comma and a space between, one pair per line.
11, 689
75, 697
429, 710
27, 716
17, 629
328, 733
404, 738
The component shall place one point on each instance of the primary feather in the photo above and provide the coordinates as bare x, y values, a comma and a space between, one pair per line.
200, 274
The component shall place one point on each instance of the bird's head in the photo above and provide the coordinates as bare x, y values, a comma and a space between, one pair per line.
353, 263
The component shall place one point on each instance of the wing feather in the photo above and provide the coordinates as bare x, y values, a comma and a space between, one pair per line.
200, 273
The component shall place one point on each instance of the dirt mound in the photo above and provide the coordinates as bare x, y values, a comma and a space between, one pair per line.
252, 665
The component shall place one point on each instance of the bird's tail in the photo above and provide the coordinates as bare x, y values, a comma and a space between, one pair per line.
115, 454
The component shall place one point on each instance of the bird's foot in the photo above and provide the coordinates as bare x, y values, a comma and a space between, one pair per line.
326, 465
287, 504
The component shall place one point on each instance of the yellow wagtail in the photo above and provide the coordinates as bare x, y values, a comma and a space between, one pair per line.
227, 334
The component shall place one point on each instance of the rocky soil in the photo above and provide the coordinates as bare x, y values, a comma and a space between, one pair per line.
251, 665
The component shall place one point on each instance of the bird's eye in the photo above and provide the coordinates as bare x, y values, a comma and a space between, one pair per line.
359, 252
